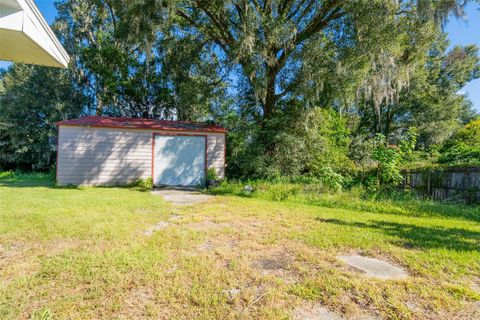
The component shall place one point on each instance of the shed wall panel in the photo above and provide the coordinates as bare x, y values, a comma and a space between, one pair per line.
216, 153
95, 156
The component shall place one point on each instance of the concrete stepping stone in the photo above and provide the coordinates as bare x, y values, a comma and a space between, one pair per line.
182, 197
316, 312
375, 268
319, 312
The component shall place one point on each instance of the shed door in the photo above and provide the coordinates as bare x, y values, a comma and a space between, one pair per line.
179, 160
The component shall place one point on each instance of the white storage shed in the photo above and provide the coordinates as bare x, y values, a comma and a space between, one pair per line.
117, 151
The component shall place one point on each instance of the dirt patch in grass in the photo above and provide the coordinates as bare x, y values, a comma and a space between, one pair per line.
274, 263
175, 217
207, 246
23, 259
205, 225
60, 246
277, 262
136, 303
474, 284
23, 253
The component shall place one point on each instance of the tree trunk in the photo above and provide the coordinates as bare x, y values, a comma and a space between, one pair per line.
99, 110
388, 122
270, 98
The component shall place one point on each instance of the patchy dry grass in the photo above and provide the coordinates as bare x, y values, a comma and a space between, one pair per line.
85, 253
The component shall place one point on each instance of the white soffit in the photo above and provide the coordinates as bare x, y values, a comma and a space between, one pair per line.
26, 37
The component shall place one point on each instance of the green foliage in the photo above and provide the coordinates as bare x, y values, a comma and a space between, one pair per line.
330, 179
32, 99
388, 157
282, 45
310, 191
468, 136
133, 61
279, 191
211, 174
432, 103
463, 147
302, 86
281, 188
143, 184
298, 143
389, 160
33, 177
425, 95
461, 155
42, 314
408, 143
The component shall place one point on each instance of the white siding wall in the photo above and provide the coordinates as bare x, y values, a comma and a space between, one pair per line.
216, 153
101, 156
108, 156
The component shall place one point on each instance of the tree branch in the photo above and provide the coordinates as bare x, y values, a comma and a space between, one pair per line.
288, 88
299, 8
318, 24
285, 7
112, 15
215, 38
220, 25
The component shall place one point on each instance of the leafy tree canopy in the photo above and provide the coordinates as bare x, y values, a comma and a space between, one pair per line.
32, 99
302, 85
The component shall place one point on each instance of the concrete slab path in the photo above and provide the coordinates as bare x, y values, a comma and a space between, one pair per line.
182, 197
374, 267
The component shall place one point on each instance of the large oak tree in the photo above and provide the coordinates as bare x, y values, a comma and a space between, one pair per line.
265, 37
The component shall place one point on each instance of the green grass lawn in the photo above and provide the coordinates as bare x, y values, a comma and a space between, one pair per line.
82, 253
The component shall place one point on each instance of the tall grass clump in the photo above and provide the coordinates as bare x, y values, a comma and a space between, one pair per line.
311, 191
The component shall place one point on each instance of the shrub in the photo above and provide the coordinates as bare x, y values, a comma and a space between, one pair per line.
463, 147
211, 175
330, 179
143, 184
291, 144
388, 157
281, 191
408, 143
461, 154
466, 136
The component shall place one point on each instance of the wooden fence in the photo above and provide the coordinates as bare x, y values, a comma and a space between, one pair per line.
460, 184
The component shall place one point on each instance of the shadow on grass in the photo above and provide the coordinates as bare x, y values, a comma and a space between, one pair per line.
221, 192
34, 184
27, 180
33, 180
403, 205
14, 179
420, 237
410, 208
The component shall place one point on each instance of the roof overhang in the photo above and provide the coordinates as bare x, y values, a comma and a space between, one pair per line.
142, 124
26, 37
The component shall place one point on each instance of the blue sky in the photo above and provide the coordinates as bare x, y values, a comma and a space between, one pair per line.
461, 32
464, 32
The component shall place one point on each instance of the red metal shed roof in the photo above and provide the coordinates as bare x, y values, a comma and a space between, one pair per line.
140, 123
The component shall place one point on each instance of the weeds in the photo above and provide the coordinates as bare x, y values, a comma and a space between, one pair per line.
356, 198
